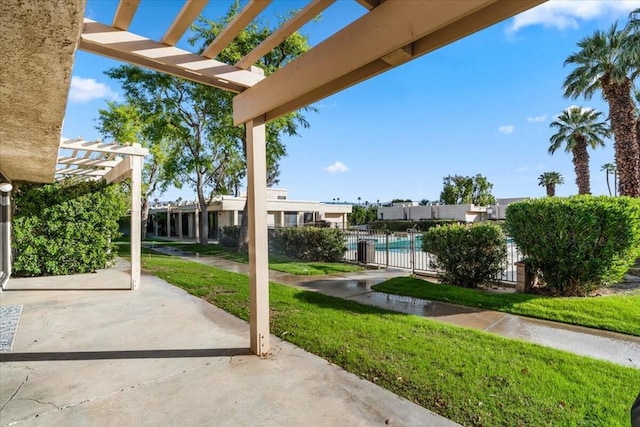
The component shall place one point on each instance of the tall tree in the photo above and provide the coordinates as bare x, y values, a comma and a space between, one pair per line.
459, 189
610, 61
550, 180
610, 168
207, 151
127, 124
206, 31
576, 129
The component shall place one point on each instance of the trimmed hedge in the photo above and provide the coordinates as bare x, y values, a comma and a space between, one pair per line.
66, 228
404, 225
468, 254
230, 236
309, 243
577, 244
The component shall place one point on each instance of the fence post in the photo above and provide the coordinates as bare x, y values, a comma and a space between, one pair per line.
386, 238
412, 249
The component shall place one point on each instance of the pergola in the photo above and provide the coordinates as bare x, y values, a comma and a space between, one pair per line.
114, 164
391, 33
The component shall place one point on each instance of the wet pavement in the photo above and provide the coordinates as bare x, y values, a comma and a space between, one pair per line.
614, 347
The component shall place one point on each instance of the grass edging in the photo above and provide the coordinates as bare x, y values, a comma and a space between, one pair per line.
617, 313
276, 262
469, 376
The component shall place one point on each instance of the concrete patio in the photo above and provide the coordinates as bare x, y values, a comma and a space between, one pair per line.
159, 356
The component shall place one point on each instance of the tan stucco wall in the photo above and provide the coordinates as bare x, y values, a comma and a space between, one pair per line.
39, 39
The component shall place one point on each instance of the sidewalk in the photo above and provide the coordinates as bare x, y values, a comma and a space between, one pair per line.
614, 347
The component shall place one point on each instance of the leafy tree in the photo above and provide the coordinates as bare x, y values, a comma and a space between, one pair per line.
578, 128
550, 180
424, 202
610, 168
401, 201
206, 31
610, 61
127, 124
363, 214
466, 190
206, 151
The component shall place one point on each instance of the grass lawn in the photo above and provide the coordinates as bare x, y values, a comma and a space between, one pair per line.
472, 377
276, 262
618, 313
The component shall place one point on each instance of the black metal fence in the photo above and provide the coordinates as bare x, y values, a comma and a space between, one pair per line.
404, 250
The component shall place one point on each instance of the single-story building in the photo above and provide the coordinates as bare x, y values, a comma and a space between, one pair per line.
181, 219
463, 212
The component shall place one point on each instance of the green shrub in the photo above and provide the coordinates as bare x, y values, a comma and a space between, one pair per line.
578, 243
404, 225
309, 243
230, 236
65, 228
467, 254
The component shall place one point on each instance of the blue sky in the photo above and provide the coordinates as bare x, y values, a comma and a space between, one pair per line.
480, 105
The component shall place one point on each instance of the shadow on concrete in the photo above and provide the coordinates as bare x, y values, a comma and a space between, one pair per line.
123, 354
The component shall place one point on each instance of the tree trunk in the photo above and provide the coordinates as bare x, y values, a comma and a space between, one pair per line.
204, 217
608, 185
581, 165
243, 237
144, 218
551, 190
624, 127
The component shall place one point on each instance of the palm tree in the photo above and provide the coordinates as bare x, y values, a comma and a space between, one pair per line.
610, 168
550, 180
578, 128
610, 61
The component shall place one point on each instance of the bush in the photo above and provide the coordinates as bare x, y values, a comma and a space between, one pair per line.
66, 228
404, 225
230, 236
309, 243
577, 244
468, 254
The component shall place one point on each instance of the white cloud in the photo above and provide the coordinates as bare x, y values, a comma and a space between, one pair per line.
537, 119
85, 90
563, 14
507, 129
337, 167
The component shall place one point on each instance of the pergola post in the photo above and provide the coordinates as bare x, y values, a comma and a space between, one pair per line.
258, 248
136, 217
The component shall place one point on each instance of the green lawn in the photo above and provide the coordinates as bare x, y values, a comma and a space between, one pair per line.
472, 377
276, 262
618, 313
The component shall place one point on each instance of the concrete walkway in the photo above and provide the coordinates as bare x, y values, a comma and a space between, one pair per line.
614, 347
161, 357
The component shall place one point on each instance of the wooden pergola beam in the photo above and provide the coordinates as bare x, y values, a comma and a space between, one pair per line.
235, 27
132, 48
103, 147
312, 10
87, 162
124, 14
189, 12
334, 65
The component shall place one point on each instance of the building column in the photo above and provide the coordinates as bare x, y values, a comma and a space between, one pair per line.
196, 222
168, 222
136, 217
235, 217
180, 225
5, 233
258, 248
